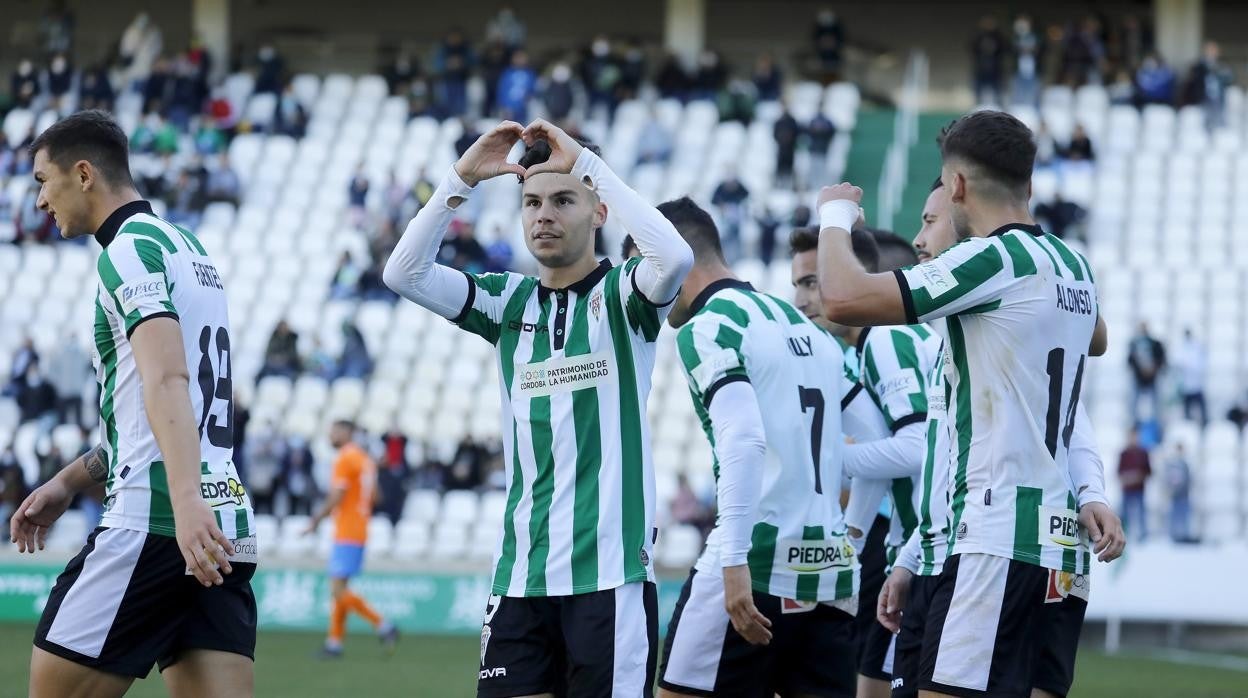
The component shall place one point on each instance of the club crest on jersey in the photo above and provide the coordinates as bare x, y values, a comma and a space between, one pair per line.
1063, 584
485, 641
595, 303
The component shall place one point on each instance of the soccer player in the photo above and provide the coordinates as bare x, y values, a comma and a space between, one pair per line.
166, 577
918, 565
574, 608
770, 604
1020, 320
353, 492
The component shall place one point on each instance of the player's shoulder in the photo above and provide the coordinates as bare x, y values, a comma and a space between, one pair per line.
501, 282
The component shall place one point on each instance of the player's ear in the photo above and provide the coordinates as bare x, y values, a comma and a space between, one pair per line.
600, 213
957, 193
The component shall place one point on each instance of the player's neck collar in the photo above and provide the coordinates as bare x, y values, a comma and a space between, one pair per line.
581, 287
715, 287
862, 339
112, 224
1025, 227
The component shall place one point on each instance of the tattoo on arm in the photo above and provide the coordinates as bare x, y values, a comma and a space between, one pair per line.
94, 462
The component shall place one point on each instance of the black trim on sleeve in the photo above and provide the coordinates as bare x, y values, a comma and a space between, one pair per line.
472, 298
907, 299
915, 418
849, 397
861, 346
710, 392
153, 316
632, 277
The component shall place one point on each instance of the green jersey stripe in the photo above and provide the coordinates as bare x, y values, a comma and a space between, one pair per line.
544, 458
903, 499
1027, 523
968, 275
925, 506
507, 365
148, 230
106, 348
729, 338
845, 583
1068, 257
908, 359
1070, 556
161, 509
1031, 241
808, 584
730, 310
632, 491
962, 425
195, 244
762, 554
154, 262
794, 317
761, 306
242, 525
588, 459
1024, 265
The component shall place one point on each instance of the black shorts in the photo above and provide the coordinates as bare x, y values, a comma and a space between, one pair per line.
873, 639
126, 602
994, 626
812, 648
602, 643
909, 642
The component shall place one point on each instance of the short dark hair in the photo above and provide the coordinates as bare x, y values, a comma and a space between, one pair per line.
896, 252
628, 244
696, 226
868, 253
936, 185
539, 152
994, 141
344, 424
89, 135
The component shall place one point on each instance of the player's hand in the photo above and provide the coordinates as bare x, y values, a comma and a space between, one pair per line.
204, 547
893, 597
564, 150
1105, 529
739, 601
487, 157
29, 525
840, 192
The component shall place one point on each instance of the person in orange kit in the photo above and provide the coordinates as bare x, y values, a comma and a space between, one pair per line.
353, 492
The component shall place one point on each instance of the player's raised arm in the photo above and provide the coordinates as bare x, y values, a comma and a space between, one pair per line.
666, 257
849, 294
411, 271
161, 362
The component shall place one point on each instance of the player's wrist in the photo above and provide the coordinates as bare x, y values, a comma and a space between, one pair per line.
839, 213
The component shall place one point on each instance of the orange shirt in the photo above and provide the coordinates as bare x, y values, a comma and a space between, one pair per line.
355, 474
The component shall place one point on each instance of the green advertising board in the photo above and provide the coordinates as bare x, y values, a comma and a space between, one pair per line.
298, 599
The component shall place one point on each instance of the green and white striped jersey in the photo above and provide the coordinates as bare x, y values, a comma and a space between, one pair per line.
894, 365
933, 528
149, 269
575, 367
1020, 309
799, 548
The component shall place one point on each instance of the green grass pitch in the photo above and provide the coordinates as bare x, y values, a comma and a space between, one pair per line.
445, 667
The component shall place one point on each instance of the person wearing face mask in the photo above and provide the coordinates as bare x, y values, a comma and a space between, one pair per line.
577, 347
24, 85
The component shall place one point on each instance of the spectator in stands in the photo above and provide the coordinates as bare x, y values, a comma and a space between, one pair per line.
452, 62
37, 399
632, 71
710, 78
281, 356
393, 472
95, 89
296, 480
320, 363
33, 223
266, 452
414, 199
270, 70
516, 86
1060, 216
1154, 81
729, 200
786, 132
465, 470
461, 250
400, 72
187, 95
494, 59
767, 78
499, 253
345, 284
1133, 471
12, 485
829, 41
355, 361
223, 183
1207, 85
186, 201
468, 136
24, 85
737, 101
1083, 54
600, 72
656, 145
431, 475
1025, 51
1135, 39
1147, 358
987, 57
628, 248
768, 226
558, 93
672, 81
819, 134
1238, 412
209, 139
70, 369
141, 44
506, 28
23, 359
357, 195
56, 28
1122, 90
60, 78
1179, 479
1080, 147
290, 118
1190, 363
687, 509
